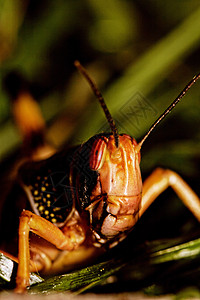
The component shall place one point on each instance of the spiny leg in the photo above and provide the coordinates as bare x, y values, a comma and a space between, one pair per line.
48, 231
159, 181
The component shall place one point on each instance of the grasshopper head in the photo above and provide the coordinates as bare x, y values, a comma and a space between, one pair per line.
115, 199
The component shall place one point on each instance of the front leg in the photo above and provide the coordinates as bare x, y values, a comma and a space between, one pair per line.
159, 181
69, 240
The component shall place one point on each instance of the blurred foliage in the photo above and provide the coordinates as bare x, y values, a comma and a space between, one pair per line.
140, 53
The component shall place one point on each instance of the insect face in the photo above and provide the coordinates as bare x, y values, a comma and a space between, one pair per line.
120, 186
118, 172
116, 195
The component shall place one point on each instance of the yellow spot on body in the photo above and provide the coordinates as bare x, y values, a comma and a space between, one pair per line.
51, 215
53, 220
56, 208
43, 189
48, 195
36, 192
47, 184
41, 208
46, 212
44, 199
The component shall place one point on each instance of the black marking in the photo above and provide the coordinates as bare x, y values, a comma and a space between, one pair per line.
52, 196
83, 178
49, 187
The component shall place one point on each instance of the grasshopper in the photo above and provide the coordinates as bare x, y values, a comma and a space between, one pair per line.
83, 199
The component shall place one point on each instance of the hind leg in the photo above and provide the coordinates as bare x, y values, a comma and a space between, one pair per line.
159, 181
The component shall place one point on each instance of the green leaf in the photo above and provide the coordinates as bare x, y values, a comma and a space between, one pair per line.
139, 264
86, 278
79, 279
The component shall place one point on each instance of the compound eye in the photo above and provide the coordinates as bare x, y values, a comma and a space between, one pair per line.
97, 154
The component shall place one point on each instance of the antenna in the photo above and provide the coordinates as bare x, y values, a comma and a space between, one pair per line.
101, 101
169, 109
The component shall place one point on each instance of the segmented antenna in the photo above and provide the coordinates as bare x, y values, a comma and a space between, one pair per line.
169, 109
101, 101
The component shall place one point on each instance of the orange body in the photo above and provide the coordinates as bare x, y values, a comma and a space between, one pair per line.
96, 201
